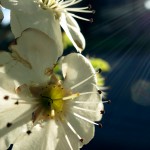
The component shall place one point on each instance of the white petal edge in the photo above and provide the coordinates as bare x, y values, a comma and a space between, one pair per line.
71, 21
73, 34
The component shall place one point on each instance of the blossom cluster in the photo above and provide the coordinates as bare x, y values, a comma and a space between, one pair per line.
37, 109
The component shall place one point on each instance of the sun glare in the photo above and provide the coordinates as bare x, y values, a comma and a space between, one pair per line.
6, 19
147, 4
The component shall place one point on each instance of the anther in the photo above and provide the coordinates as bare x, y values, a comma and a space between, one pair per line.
33, 117
16, 103
99, 70
90, 6
109, 101
99, 91
100, 125
9, 124
91, 20
102, 111
29, 132
93, 11
81, 140
10, 147
6, 97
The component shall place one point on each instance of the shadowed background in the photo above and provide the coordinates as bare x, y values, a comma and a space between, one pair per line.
120, 35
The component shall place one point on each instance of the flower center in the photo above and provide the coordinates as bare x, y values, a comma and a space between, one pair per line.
52, 99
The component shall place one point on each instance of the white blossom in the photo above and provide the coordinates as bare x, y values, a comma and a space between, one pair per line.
45, 15
38, 111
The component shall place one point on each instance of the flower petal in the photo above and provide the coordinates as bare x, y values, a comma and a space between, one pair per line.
16, 70
11, 123
67, 139
19, 5
10, 137
71, 21
42, 20
40, 139
73, 32
30, 60
39, 50
84, 129
28, 14
76, 68
12, 115
6, 83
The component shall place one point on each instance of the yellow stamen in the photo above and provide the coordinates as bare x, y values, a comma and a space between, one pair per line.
52, 113
71, 96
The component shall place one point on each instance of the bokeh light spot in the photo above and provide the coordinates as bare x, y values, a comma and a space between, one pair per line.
141, 92
147, 4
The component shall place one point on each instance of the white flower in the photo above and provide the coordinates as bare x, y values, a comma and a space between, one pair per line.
45, 15
43, 113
